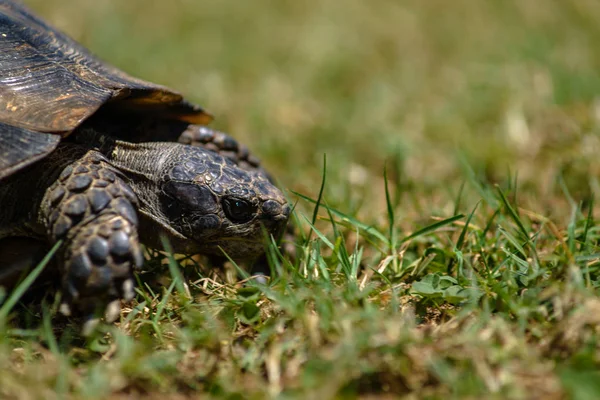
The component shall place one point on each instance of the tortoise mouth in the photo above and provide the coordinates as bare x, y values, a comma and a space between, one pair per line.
238, 248
232, 239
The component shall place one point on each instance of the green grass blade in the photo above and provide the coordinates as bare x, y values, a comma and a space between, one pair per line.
589, 222
353, 221
458, 199
513, 241
461, 238
321, 190
513, 214
174, 268
390, 212
432, 227
22, 287
320, 235
342, 252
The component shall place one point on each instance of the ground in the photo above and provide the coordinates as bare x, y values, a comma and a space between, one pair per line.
453, 251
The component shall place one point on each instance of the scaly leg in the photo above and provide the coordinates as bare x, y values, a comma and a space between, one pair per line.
92, 210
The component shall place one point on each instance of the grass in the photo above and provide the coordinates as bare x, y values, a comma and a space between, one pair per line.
452, 251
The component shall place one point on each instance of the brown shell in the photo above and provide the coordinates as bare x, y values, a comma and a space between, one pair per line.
50, 84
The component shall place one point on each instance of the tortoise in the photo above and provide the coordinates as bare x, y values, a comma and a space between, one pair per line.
102, 161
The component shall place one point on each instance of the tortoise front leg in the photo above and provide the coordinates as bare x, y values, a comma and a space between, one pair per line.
92, 210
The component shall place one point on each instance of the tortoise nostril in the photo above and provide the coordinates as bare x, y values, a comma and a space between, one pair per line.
271, 208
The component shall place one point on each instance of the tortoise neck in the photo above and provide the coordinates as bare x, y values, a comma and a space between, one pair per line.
146, 159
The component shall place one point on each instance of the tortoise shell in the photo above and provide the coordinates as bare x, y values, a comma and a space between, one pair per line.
50, 84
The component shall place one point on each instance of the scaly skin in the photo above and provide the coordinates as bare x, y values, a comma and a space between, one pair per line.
219, 142
227, 146
201, 201
92, 210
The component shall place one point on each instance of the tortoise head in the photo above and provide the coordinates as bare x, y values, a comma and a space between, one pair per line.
213, 204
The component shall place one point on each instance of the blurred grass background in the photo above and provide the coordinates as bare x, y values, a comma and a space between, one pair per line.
509, 85
441, 93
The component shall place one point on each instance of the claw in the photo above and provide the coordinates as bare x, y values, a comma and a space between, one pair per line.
90, 326
65, 309
128, 292
261, 278
138, 258
113, 311
71, 290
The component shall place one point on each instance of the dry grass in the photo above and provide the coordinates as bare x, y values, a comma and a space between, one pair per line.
483, 108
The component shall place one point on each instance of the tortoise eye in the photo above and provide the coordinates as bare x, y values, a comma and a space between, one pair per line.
238, 210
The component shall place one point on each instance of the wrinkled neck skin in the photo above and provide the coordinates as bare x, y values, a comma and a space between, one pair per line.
143, 165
